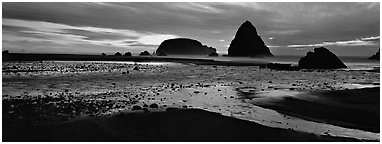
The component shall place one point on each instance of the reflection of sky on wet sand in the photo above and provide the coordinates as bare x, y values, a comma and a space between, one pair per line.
226, 101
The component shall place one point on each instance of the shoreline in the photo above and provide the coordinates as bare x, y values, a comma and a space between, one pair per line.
69, 57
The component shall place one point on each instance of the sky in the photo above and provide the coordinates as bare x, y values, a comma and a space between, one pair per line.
287, 28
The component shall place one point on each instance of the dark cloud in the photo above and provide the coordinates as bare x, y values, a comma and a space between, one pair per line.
97, 35
7, 28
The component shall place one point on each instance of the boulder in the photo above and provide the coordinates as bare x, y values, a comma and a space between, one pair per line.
136, 107
321, 58
214, 54
127, 54
154, 105
5, 52
184, 46
248, 43
118, 54
375, 56
145, 53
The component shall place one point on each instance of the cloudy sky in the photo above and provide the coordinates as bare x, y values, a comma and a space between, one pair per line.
347, 29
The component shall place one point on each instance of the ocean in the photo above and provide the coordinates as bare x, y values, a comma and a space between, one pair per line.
353, 62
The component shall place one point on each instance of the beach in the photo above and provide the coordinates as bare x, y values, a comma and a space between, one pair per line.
186, 101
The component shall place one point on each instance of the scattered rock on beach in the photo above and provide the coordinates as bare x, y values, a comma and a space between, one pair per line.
145, 110
321, 58
127, 54
118, 54
154, 105
136, 107
145, 53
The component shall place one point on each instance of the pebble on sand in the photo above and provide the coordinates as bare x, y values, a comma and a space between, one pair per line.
154, 105
136, 107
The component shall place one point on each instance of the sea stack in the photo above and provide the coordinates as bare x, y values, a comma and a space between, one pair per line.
248, 43
375, 56
184, 46
321, 58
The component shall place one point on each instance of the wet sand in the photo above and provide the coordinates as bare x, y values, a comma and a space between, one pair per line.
355, 108
60, 92
171, 125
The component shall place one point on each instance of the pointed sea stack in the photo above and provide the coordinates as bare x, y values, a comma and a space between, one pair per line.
248, 43
184, 46
321, 58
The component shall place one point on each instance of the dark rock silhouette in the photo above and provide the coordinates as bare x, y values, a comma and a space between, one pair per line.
161, 54
136, 107
154, 105
278, 66
145, 53
375, 56
5, 52
103, 54
127, 54
118, 54
184, 46
321, 58
248, 43
213, 54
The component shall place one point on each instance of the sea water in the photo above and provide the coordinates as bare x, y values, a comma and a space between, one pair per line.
353, 62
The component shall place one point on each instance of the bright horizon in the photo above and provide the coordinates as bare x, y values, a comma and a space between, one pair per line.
287, 28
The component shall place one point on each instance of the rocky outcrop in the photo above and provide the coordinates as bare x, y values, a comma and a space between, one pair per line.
321, 58
248, 43
145, 53
184, 46
5, 52
375, 56
117, 54
127, 54
213, 54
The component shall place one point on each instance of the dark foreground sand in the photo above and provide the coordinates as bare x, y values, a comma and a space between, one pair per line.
172, 125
